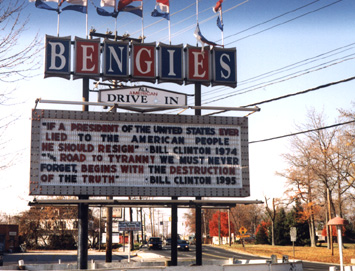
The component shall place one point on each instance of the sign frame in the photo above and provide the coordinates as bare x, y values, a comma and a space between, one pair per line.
227, 73
197, 58
142, 95
87, 65
170, 63
58, 68
110, 67
143, 53
41, 118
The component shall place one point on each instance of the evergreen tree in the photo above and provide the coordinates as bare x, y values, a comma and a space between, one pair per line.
261, 234
294, 219
282, 231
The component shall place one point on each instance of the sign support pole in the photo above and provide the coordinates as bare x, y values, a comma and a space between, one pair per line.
198, 212
83, 209
198, 208
198, 234
174, 229
108, 258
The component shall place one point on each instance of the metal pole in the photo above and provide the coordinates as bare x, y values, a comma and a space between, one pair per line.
198, 234
131, 241
197, 98
109, 233
229, 228
100, 234
83, 212
198, 229
85, 93
340, 244
174, 229
83, 209
219, 227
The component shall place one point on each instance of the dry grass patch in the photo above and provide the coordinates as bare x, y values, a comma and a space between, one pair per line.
317, 254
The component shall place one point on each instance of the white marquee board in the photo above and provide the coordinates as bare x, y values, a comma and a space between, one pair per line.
125, 154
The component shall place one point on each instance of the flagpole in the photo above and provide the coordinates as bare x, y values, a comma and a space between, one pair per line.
142, 24
197, 18
87, 19
169, 30
222, 33
115, 9
58, 21
197, 11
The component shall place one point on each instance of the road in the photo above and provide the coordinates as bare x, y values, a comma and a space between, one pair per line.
53, 257
208, 253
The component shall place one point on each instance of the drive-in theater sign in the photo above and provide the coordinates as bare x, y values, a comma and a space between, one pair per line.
128, 154
140, 62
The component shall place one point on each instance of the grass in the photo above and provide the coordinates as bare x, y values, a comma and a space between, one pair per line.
317, 254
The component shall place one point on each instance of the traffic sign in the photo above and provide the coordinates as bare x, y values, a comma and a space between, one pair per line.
293, 234
242, 230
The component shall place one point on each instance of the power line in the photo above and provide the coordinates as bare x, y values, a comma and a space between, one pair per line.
301, 63
285, 22
270, 20
303, 92
273, 82
303, 132
277, 80
295, 94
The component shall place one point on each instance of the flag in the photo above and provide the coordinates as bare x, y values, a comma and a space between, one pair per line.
104, 12
124, 5
107, 3
218, 6
164, 7
219, 23
76, 5
42, 5
201, 39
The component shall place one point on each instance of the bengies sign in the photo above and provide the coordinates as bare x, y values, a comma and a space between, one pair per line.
143, 96
124, 154
140, 62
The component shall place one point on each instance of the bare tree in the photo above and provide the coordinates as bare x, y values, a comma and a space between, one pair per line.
18, 61
301, 182
321, 171
271, 212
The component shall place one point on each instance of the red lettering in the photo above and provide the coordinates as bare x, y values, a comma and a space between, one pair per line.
228, 132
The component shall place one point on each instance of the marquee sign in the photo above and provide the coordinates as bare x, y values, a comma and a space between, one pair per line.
140, 62
129, 226
125, 154
143, 95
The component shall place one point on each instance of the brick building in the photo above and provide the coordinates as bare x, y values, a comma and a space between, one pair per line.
9, 241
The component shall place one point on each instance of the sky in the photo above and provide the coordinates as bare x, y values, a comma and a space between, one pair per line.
283, 47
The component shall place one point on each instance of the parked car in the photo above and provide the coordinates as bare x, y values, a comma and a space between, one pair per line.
168, 242
155, 243
183, 245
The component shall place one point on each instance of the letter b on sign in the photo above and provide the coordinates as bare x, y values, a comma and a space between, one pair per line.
57, 57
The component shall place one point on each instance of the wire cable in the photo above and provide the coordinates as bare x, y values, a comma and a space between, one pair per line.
285, 22
273, 82
303, 92
303, 132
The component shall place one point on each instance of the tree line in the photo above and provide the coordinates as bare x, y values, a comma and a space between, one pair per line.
320, 178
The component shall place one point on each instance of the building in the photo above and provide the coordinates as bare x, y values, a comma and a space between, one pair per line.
9, 241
